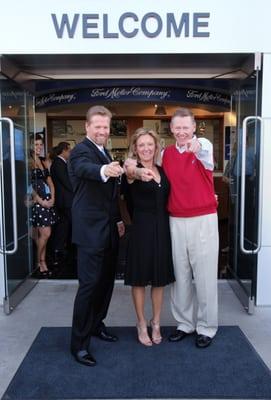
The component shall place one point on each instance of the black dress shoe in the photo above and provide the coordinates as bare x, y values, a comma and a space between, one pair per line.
106, 336
85, 358
203, 341
177, 336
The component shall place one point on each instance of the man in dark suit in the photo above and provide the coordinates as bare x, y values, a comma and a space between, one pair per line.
96, 227
63, 202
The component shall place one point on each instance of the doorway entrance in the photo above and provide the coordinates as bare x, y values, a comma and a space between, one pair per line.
202, 72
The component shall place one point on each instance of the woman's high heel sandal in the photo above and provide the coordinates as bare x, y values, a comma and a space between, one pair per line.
156, 334
143, 336
45, 273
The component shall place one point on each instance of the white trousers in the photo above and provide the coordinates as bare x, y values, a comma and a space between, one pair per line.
195, 255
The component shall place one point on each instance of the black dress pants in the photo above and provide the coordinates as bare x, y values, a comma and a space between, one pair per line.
96, 274
62, 230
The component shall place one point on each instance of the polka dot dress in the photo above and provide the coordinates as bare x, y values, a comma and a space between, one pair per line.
42, 216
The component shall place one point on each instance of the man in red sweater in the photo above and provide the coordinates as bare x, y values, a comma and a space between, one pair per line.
192, 207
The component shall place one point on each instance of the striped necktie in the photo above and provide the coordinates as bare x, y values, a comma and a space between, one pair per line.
106, 155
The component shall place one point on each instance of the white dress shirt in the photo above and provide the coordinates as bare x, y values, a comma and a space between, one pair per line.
63, 159
204, 155
101, 149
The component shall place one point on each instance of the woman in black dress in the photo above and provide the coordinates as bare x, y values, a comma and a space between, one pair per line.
43, 214
149, 252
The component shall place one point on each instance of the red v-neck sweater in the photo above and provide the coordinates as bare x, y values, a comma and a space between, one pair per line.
191, 185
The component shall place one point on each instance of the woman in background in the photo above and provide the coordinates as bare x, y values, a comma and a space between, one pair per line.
43, 214
149, 252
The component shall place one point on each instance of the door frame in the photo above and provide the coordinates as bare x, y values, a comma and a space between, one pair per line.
14, 286
246, 289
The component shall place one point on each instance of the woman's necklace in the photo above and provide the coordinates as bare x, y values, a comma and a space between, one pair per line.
157, 178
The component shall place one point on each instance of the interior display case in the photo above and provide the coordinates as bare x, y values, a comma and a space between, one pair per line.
118, 127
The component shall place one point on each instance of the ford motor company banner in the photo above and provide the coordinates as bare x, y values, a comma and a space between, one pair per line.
134, 93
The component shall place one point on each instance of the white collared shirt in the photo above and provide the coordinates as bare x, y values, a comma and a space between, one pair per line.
104, 178
204, 155
101, 149
63, 159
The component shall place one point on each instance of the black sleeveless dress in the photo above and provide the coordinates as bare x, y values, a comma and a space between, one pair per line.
41, 216
149, 257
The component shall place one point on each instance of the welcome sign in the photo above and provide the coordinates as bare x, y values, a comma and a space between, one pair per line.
129, 24
142, 27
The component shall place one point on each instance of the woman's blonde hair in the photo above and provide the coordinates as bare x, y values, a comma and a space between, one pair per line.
35, 139
133, 141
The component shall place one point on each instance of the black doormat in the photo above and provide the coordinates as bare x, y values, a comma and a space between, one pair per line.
229, 368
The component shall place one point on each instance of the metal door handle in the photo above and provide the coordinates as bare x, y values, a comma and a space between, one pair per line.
242, 199
13, 186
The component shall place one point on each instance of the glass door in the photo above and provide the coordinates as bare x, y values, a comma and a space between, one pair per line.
16, 121
245, 190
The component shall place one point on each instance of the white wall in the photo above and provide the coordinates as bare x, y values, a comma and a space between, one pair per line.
2, 275
40, 121
264, 263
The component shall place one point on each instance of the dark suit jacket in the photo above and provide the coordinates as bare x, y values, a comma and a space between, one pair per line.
95, 209
63, 187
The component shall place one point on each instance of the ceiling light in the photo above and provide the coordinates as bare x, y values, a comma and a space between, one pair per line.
160, 110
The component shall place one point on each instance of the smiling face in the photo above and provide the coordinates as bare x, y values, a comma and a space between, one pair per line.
183, 129
38, 147
145, 148
98, 129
